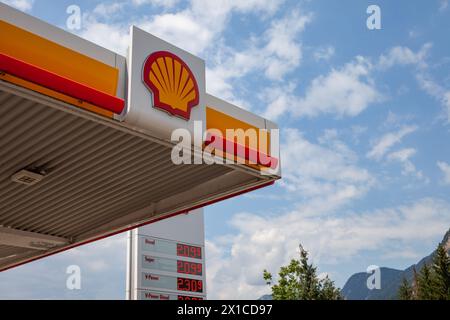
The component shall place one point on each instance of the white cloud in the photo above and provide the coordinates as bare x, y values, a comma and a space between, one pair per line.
342, 92
236, 263
108, 9
431, 87
324, 53
98, 256
24, 5
443, 5
114, 37
321, 177
345, 92
356, 132
445, 168
201, 24
403, 157
160, 3
282, 52
280, 100
415, 33
382, 146
103, 269
195, 28
387, 141
183, 30
404, 56
276, 53
396, 120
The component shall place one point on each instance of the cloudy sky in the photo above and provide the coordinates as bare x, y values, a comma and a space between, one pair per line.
365, 124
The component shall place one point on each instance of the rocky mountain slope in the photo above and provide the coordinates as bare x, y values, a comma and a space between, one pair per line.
356, 287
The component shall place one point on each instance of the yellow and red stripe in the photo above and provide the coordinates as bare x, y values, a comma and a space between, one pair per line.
41, 65
251, 155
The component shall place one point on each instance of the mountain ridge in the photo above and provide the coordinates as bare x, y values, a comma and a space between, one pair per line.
356, 289
356, 286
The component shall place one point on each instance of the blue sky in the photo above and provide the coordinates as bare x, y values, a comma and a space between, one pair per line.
365, 124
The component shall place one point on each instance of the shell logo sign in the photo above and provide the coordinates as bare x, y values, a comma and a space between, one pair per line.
172, 83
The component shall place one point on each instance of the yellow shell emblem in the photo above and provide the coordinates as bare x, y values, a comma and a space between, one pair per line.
172, 83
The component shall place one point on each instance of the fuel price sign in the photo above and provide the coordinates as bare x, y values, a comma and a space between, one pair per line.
156, 281
171, 248
170, 268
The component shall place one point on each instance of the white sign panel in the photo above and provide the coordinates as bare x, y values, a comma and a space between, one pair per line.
166, 259
154, 295
166, 86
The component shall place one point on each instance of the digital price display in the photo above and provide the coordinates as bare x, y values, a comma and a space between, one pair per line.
171, 248
171, 265
167, 260
150, 280
189, 298
192, 285
189, 267
184, 250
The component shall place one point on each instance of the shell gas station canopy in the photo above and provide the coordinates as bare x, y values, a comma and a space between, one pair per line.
86, 148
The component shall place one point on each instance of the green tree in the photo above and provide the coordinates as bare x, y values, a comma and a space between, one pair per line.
329, 291
299, 281
405, 292
425, 284
433, 282
441, 274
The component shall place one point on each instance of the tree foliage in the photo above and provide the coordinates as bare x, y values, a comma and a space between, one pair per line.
405, 291
425, 285
441, 274
432, 282
299, 281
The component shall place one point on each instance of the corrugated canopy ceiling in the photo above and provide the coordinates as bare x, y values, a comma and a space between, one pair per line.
101, 177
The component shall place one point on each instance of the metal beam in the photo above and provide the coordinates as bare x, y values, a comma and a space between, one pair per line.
31, 240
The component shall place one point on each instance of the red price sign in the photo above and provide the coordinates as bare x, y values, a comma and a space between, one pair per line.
184, 250
189, 298
192, 285
189, 267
